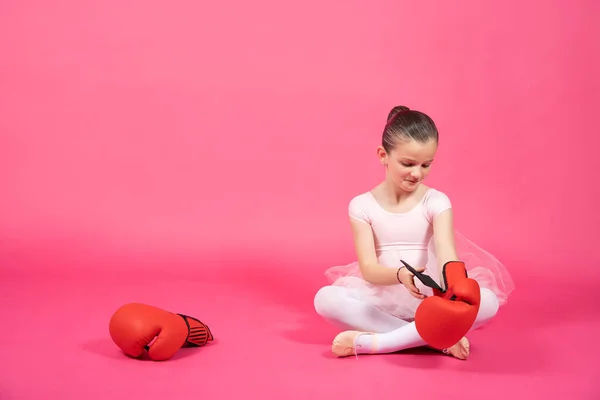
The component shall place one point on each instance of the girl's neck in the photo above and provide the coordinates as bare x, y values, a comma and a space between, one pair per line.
394, 195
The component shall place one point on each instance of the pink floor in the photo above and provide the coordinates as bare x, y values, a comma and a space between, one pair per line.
243, 129
269, 343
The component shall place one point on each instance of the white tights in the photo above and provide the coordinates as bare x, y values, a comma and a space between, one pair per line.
339, 306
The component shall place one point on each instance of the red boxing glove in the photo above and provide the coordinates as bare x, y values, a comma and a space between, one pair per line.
445, 318
134, 328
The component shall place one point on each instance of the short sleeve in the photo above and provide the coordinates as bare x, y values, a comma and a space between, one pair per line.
358, 210
435, 203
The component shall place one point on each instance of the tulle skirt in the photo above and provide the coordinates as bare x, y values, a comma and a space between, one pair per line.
396, 300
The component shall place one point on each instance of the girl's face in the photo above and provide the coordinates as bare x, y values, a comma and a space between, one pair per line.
409, 163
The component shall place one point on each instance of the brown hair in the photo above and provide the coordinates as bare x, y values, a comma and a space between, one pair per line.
404, 124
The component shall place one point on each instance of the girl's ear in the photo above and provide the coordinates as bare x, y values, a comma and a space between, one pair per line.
382, 155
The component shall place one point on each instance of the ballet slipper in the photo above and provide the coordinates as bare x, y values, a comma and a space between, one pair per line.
344, 344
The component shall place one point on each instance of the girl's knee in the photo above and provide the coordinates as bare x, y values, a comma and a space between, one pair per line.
489, 305
327, 300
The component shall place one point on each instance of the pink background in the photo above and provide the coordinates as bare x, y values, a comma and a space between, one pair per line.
226, 141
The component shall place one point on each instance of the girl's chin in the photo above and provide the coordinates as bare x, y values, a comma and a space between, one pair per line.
410, 186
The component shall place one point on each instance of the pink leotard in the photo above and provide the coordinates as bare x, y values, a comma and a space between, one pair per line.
400, 235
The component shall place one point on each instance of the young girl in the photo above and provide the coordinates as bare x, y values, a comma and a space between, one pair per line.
375, 298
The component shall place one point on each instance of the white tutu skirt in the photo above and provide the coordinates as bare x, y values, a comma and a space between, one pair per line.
396, 300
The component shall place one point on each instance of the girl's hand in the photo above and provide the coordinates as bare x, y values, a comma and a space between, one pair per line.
408, 280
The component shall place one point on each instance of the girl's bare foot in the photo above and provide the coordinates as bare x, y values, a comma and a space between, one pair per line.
460, 350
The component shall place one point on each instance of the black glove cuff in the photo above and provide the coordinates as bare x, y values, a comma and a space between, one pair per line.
426, 279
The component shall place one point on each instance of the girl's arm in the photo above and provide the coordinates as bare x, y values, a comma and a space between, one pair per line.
443, 236
370, 268
364, 245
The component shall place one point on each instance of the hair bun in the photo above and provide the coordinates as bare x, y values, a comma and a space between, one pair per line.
396, 110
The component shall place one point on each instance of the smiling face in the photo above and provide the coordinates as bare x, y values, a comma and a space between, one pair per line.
408, 163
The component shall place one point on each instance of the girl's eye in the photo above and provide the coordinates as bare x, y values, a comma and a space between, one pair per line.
411, 165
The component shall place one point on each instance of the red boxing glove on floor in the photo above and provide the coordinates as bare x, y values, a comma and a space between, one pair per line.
445, 318
137, 327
